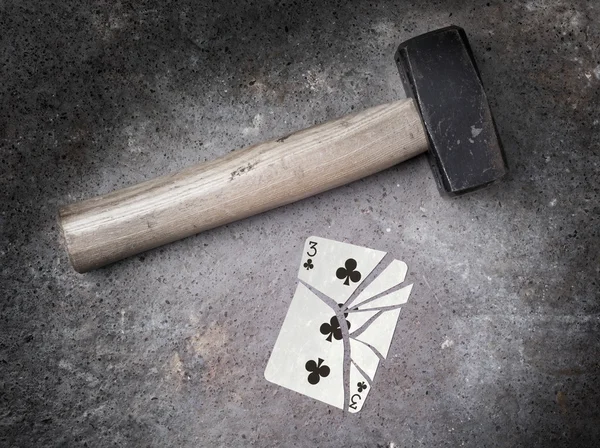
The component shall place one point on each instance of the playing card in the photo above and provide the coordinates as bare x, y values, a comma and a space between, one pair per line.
379, 334
308, 356
364, 357
336, 269
377, 331
357, 320
393, 275
305, 359
359, 389
396, 298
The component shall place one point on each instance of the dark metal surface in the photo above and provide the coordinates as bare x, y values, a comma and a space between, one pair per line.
438, 70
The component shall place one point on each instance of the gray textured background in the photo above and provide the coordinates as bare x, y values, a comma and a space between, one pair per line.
499, 345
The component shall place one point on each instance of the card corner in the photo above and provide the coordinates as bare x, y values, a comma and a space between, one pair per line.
402, 263
408, 288
267, 374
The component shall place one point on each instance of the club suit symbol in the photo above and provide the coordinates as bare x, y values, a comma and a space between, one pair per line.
333, 328
317, 370
348, 272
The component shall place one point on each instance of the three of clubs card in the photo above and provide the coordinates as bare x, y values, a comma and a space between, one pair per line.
334, 336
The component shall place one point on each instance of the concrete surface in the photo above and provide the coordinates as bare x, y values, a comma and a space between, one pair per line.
499, 345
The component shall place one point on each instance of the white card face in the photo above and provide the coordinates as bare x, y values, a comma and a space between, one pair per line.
336, 269
379, 334
363, 356
396, 298
308, 356
393, 275
359, 389
300, 342
358, 319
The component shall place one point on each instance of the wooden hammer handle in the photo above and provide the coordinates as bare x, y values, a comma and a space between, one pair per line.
108, 228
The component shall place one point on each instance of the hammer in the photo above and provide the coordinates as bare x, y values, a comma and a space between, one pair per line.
446, 112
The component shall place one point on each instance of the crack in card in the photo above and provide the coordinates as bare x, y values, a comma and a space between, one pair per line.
333, 336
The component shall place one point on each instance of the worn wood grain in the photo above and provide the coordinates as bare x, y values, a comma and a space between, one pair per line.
108, 228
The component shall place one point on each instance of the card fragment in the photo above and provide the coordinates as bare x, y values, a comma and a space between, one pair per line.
329, 347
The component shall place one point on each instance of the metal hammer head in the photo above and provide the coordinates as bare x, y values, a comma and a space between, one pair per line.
438, 70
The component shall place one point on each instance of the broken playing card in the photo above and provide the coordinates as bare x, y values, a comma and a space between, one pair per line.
333, 268
331, 340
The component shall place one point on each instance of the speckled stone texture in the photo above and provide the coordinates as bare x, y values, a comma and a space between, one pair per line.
499, 345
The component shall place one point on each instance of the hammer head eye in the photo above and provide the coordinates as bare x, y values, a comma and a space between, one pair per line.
439, 72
